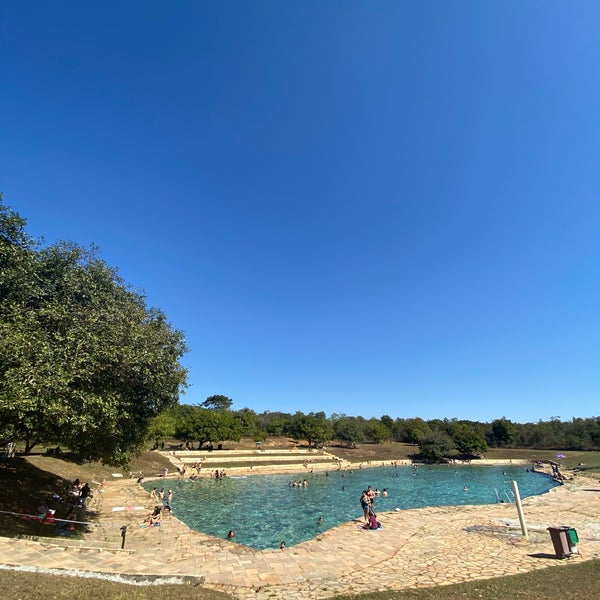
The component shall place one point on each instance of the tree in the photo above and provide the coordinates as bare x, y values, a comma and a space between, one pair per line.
83, 361
503, 432
415, 430
217, 402
203, 425
387, 421
248, 423
314, 429
274, 423
467, 441
348, 430
595, 435
436, 446
377, 431
162, 426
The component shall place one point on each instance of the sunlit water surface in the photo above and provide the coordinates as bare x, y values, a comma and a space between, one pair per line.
263, 510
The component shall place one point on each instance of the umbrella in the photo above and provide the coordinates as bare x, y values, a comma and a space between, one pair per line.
560, 456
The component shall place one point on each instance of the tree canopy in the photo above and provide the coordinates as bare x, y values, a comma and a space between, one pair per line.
83, 360
217, 402
202, 425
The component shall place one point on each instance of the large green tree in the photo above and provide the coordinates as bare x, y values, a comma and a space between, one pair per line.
436, 446
412, 431
376, 431
202, 425
163, 426
503, 432
467, 441
314, 428
348, 429
83, 361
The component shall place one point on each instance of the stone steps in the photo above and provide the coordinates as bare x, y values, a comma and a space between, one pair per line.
256, 461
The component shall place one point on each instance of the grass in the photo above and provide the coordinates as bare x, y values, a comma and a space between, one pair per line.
574, 581
25, 481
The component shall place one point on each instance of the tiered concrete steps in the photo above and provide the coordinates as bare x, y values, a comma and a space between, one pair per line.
256, 460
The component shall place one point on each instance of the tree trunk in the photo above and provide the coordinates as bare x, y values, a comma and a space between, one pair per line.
29, 445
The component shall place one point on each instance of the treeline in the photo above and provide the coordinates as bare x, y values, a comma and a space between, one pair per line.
213, 421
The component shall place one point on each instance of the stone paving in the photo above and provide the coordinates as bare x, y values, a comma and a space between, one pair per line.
416, 548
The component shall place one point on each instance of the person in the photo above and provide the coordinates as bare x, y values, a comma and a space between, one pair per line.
155, 517
170, 497
231, 534
384, 493
320, 521
373, 522
282, 545
75, 489
84, 494
371, 494
153, 494
365, 504
65, 527
43, 510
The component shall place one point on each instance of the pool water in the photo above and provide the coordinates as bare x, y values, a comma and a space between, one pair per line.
263, 510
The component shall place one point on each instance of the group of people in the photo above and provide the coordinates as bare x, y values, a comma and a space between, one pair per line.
81, 491
161, 496
72, 502
298, 484
367, 503
154, 519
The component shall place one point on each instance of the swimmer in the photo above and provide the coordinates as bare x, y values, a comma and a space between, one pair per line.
320, 521
231, 535
384, 493
282, 545
466, 488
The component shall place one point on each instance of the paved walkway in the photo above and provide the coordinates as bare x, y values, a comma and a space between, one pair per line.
417, 548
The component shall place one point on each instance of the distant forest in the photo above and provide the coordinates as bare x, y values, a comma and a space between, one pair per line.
213, 421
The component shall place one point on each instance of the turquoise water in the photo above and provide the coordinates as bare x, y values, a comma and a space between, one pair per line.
264, 510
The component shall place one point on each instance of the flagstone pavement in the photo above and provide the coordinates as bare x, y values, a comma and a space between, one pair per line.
416, 548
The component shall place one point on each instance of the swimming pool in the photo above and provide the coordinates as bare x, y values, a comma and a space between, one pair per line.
264, 510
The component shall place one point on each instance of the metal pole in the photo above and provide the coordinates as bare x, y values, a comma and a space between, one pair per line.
123, 534
515, 488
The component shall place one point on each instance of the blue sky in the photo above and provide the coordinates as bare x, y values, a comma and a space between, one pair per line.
363, 208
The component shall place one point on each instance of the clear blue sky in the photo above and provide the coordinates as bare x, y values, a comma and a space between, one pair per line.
365, 208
